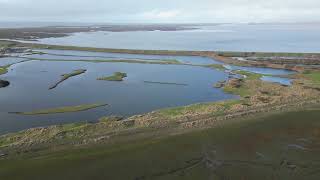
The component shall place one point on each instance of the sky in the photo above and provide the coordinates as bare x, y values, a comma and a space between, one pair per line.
161, 11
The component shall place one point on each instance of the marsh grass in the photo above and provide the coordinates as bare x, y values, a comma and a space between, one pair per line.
65, 109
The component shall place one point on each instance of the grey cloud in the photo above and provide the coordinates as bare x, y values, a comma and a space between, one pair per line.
160, 11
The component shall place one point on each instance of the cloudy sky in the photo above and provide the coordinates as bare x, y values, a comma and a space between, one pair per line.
161, 11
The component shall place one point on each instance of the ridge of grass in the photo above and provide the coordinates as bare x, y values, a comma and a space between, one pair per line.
65, 109
67, 76
171, 61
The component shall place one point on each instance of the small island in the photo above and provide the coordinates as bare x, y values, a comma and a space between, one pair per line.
117, 76
67, 76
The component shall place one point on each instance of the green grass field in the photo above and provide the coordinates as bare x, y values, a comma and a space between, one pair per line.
281, 146
314, 76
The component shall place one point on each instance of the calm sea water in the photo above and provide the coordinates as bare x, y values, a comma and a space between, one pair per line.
231, 37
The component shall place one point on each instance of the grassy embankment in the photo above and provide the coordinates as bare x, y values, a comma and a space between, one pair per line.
164, 62
269, 147
117, 76
66, 109
67, 76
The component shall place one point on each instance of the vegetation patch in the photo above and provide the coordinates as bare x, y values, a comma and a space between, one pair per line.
249, 75
313, 75
214, 108
117, 76
66, 109
67, 76
4, 69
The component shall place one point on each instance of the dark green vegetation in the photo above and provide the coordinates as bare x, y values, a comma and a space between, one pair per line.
165, 83
67, 76
66, 109
283, 146
117, 76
